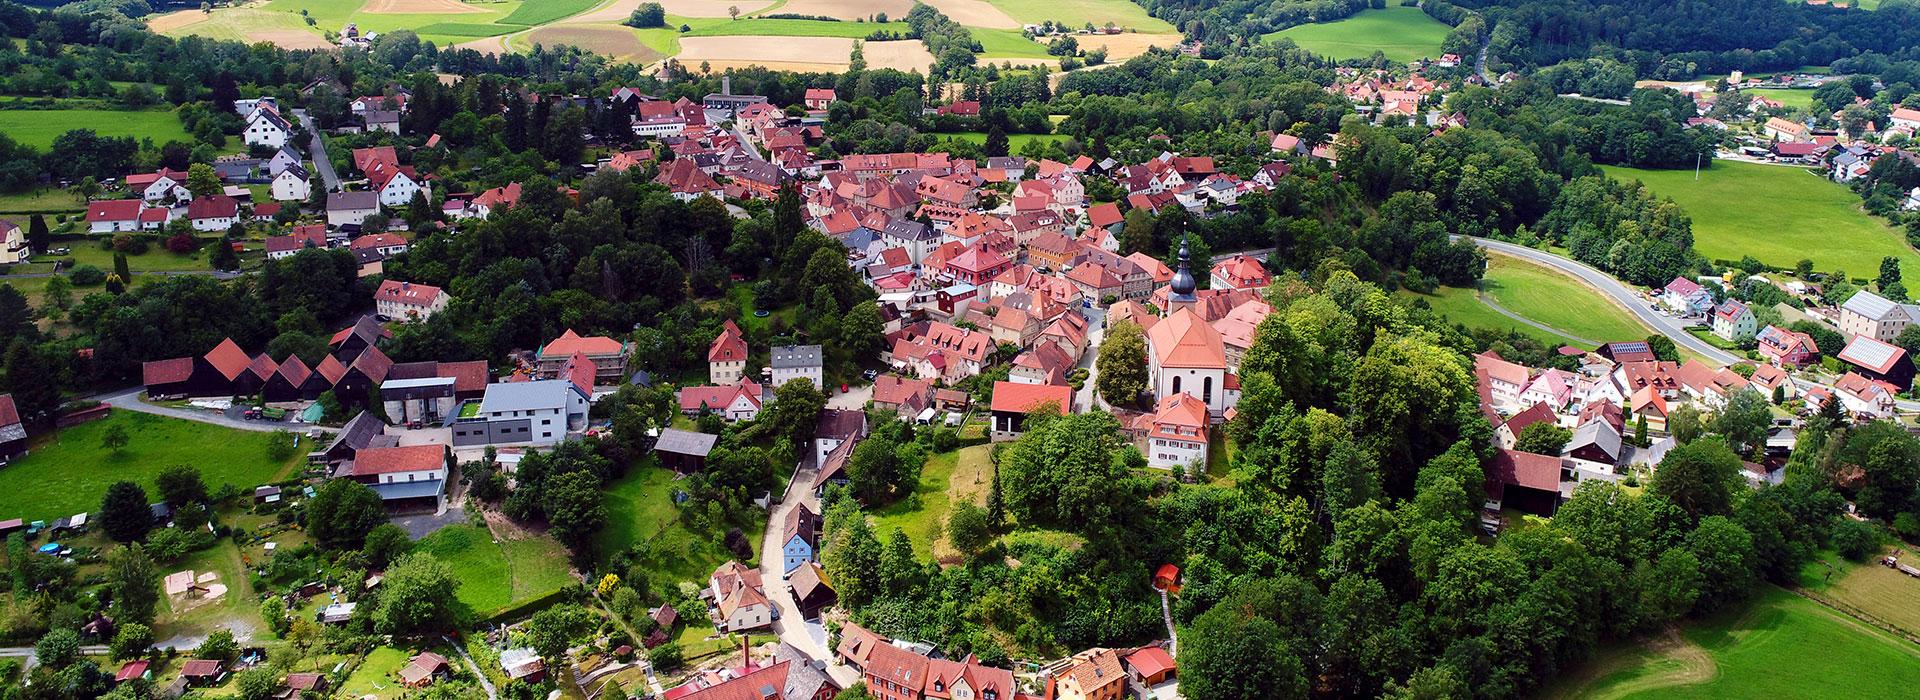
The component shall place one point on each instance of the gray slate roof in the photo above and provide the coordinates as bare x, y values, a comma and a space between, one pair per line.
525, 396
795, 356
685, 442
347, 201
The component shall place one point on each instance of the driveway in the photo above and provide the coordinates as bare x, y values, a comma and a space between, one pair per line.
317, 151
129, 400
855, 399
809, 638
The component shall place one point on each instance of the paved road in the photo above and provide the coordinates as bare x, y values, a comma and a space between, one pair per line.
317, 151
219, 275
1630, 298
1087, 398
27, 654
791, 627
129, 399
1621, 294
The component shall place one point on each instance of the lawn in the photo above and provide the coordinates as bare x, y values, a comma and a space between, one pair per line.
1077, 13
1402, 33
237, 610
1792, 98
964, 474
495, 575
1779, 646
1015, 142
68, 472
376, 674
640, 512
50, 200
1007, 43
1779, 215
38, 127
1578, 314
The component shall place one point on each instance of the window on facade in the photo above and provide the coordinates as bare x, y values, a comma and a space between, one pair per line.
1206, 390
1176, 385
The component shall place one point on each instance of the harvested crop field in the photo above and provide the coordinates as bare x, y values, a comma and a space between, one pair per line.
974, 13
690, 8
619, 42
422, 7
492, 44
795, 53
175, 20
1121, 47
898, 55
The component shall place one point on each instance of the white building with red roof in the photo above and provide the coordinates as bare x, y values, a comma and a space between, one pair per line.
735, 402
1177, 433
113, 215
400, 473
406, 300
738, 598
1013, 401
727, 355
1240, 272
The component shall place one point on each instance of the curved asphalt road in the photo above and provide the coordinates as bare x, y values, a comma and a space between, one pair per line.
1630, 298
1620, 293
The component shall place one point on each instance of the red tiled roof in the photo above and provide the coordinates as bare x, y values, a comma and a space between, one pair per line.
113, 210
411, 458
1526, 469
228, 359
729, 346
570, 342
330, 369
1020, 398
166, 371
406, 293
9, 413
467, 376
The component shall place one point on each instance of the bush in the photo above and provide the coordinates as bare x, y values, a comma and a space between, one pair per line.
1856, 540
1907, 526
648, 15
666, 658
86, 276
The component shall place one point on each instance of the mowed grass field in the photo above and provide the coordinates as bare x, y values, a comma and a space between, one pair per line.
1576, 313
495, 575
1791, 98
1402, 33
68, 472
38, 128
1779, 646
1077, 13
1779, 215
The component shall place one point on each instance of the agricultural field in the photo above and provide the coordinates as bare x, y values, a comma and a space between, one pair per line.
1867, 587
1573, 312
713, 37
1778, 646
1402, 33
68, 471
38, 128
494, 575
1779, 215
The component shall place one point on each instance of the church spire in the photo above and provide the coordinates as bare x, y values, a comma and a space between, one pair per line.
1183, 284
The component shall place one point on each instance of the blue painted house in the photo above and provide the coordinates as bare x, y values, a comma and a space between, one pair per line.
801, 536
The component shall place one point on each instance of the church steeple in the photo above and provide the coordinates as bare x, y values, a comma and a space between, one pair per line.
1180, 291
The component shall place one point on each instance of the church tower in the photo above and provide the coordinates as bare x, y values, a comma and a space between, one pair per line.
1180, 291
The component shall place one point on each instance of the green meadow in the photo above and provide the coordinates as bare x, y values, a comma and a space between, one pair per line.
1402, 33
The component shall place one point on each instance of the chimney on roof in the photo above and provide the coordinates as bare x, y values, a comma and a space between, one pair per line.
726, 85
746, 658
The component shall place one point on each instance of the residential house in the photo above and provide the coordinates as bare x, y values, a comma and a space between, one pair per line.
1733, 321
1094, 675
811, 593
1176, 437
292, 184
213, 213
894, 673
1866, 398
1240, 272
13, 243
727, 355
1508, 434
410, 475
1151, 666
1505, 380
351, 208
790, 362
609, 356
734, 402
1787, 348
932, 349
817, 99
406, 300
160, 186
800, 534
1686, 297
1012, 402
1783, 129
1874, 316
534, 413
834, 427
904, 396
484, 204
739, 600
265, 127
